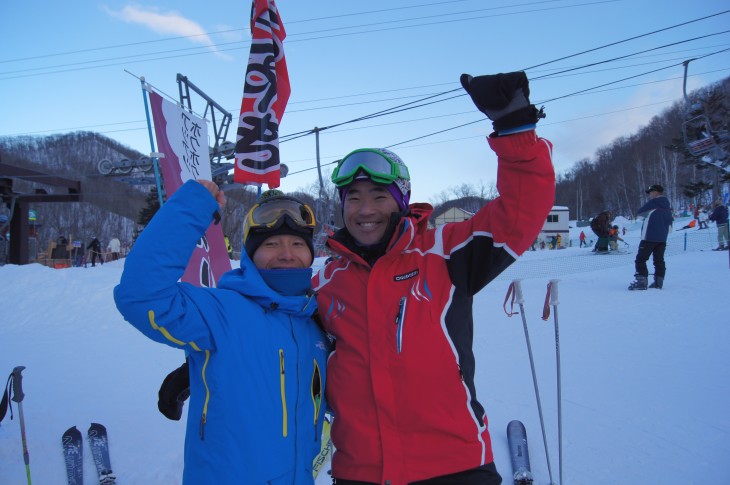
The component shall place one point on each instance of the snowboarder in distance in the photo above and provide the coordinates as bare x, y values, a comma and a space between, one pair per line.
658, 221
95, 247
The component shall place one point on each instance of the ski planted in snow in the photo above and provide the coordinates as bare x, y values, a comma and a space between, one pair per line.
99, 444
517, 439
73, 456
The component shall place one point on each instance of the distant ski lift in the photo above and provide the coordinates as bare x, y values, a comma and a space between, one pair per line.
698, 137
697, 130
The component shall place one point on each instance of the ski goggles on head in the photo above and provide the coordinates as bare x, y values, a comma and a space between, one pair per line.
272, 213
380, 168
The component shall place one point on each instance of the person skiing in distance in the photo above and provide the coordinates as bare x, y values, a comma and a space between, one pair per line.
257, 358
702, 218
582, 239
614, 238
398, 302
658, 220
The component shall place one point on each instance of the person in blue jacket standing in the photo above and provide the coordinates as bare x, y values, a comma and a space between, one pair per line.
257, 359
658, 220
720, 217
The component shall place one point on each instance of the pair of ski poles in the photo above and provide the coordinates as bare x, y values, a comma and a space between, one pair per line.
551, 299
15, 387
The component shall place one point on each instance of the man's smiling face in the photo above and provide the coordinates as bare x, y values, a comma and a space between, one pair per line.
367, 209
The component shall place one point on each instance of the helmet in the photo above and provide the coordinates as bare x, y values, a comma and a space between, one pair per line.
381, 166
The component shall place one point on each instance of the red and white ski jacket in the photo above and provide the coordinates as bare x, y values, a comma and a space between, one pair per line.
401, 379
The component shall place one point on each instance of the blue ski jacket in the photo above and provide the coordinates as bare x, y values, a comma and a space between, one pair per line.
257, 358
658, 222
719, 215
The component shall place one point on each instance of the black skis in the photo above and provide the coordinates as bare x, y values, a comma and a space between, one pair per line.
517, 438
99, 445
73, 456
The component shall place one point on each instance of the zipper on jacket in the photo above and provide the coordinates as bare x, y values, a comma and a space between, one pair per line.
316, 395
284, 430
203, 418
399, 323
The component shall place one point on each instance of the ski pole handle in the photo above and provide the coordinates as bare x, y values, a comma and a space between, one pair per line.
554, 292
518, 292
18, 384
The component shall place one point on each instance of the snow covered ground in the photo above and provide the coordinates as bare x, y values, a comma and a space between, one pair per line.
645, 375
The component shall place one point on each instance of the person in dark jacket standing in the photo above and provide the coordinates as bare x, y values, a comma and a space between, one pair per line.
398, 302
95, 247
658, 220
601, 226
257, 359
720, 217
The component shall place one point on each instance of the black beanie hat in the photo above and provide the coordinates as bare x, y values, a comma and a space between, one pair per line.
257, 236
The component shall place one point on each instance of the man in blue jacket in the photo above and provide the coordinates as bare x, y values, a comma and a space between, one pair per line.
256, 358
719, 217
658, 220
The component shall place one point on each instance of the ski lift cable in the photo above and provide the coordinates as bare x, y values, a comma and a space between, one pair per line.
629, 55
388, 111
413, 104
629, 39
629, 77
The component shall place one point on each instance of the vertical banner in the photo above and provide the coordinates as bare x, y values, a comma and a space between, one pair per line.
265, 94
183, 138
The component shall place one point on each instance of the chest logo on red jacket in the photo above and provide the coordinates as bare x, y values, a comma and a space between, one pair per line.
335, 310
406, 276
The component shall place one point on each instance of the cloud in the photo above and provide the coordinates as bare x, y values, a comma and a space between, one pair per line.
166, 23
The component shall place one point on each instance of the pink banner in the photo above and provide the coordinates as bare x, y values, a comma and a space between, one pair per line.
183, 138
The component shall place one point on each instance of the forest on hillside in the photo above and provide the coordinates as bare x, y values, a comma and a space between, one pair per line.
617, 176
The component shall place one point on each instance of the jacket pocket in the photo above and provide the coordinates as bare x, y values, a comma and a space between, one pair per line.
399, 321
316, 395
282, 382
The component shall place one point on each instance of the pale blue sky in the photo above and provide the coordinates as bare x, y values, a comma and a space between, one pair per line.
62, 68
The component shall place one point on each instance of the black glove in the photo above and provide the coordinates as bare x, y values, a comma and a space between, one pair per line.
175, 389
504, 98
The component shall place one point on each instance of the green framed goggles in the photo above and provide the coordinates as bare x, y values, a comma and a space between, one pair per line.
378, 166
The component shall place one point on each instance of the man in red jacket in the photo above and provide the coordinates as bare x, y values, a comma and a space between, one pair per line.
399, 303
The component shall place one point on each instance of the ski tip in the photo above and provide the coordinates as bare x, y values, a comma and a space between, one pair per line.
97, 426
71, 431
515, 423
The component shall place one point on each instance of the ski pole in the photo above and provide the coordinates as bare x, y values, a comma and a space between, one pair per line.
18, 398
553, 289
521, 302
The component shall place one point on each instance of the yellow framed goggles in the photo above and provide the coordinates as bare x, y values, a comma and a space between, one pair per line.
272, 213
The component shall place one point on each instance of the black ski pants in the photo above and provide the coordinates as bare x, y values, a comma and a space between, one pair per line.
649, 248
483, 475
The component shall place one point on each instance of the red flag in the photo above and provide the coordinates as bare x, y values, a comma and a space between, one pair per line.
265, 94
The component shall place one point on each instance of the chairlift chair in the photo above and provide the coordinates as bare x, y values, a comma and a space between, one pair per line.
697, 129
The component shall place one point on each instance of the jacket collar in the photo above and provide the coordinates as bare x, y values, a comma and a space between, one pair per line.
415, 222
248, 282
